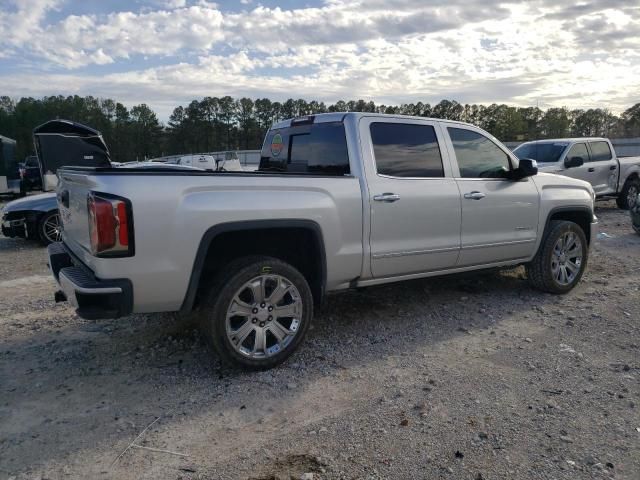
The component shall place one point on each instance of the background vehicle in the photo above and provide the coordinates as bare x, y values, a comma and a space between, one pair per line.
591, 159
9, 176
211, 163
63, 142
30, 175
340, 201
35, 217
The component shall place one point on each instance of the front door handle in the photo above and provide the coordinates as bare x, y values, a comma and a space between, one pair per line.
592, 169
474, 195
387, 197
612, 167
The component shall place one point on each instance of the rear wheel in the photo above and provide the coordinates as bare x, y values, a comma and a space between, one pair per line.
561, 258
629, 194
50, 228
257, 313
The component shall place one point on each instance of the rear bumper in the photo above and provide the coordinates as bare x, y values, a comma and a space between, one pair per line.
93, 298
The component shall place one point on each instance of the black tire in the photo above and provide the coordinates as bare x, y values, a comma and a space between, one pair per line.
623, 197
539, 270
635, 218
43, 231
213, 311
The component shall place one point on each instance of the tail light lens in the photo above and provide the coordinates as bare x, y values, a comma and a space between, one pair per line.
110, 225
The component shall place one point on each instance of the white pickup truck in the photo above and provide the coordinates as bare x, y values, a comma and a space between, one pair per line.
340, 200
591, 159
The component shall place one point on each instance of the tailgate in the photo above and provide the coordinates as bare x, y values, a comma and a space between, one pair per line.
73, 190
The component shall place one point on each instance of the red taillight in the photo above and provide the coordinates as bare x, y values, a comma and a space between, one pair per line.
109, 224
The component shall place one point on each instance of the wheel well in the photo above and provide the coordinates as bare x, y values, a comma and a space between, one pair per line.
300, 246
580, 217
633, 176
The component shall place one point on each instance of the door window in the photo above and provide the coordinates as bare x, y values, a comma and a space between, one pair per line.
406, 150
478, 157
600, 151
579, 150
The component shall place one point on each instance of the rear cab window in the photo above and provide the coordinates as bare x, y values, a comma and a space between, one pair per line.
406, 150
600, 151
317, 148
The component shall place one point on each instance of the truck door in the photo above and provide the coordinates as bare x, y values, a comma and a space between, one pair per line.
414, 201
499, 215
603, 168
582, 172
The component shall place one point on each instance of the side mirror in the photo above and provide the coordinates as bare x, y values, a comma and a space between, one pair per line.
526, 168
573, 162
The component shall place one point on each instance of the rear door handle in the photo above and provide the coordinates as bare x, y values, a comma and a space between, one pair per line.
387, 197
592, 169
474, 195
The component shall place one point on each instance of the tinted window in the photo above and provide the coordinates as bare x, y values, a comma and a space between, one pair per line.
579, 150
406, 150
478, 157
541, 152
319, 148
600, 151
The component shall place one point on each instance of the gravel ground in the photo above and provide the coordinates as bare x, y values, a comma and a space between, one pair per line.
475, 377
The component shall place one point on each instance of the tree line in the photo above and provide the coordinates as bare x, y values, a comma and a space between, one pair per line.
225, 123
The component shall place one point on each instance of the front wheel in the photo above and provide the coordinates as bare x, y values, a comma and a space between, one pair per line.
50, 228
561, 258
257, 313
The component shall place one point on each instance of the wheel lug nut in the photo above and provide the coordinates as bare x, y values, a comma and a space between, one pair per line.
254, 320
255, 310
262, 324
262, 304
271, 309
270, 318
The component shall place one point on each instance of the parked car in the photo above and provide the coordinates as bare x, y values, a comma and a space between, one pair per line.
63, 142
635, 216
30, 175
340, 201
591, 159
211, 163
35, 217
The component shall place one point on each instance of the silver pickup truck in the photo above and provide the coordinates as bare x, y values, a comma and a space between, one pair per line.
591, 159
340, 200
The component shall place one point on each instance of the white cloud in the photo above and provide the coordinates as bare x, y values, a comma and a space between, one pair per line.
581, 55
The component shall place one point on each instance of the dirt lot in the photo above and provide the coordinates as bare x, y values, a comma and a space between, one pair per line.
463, 378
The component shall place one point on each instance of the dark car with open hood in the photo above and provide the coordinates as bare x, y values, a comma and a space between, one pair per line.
58, 143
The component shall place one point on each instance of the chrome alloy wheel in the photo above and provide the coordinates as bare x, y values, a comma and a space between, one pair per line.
632, 196
264, 316
566, 258
52, 229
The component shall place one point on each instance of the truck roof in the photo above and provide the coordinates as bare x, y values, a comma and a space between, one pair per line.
568, 140
340, 116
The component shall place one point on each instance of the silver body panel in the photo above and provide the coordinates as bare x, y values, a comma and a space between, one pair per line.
607, 177
431, 229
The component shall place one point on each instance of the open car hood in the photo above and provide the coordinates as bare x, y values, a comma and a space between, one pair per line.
61, 143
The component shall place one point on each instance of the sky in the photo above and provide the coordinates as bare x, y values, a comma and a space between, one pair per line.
550, 53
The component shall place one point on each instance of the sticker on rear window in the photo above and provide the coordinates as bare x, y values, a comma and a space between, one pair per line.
276, 145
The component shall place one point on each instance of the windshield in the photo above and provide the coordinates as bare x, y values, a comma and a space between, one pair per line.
541, 152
